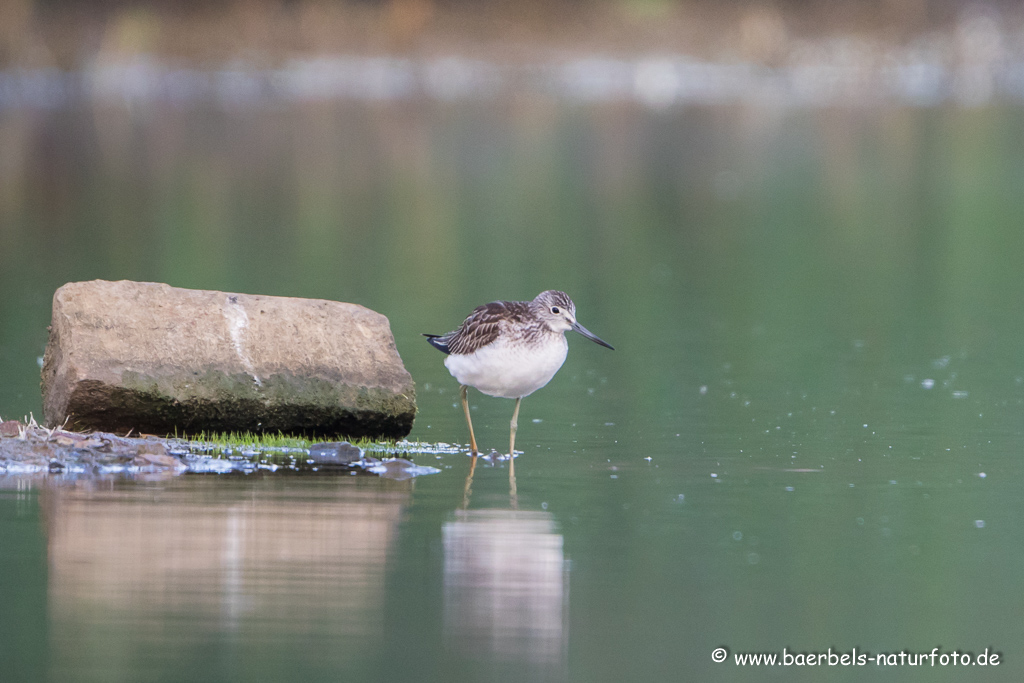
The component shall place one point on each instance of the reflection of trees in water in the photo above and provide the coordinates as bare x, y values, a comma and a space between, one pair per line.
506, 588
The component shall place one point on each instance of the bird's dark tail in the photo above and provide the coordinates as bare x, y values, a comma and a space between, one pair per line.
438, 341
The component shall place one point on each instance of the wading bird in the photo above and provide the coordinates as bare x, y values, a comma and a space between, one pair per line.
510, 349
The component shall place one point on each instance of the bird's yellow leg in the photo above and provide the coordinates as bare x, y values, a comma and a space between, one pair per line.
513, 499
512, 434
465, 407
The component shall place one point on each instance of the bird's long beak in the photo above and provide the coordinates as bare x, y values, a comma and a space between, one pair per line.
590, 335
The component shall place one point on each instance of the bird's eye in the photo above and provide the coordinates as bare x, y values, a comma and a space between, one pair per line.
554, 309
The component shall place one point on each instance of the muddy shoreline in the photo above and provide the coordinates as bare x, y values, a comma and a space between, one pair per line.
31, 450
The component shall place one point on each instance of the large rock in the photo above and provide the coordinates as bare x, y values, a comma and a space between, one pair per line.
154, 358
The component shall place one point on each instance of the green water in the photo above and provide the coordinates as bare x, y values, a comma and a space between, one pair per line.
809, 435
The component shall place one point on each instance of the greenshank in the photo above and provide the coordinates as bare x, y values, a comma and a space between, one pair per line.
510, 349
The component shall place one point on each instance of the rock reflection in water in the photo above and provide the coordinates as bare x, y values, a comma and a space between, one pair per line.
506, 588
145, 577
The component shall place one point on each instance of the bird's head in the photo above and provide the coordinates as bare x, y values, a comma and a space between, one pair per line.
559, 312
556, 309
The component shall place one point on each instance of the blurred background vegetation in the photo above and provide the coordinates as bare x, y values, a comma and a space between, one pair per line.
76, 33
701, 170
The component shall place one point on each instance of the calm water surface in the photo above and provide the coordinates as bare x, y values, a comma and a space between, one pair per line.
809, 435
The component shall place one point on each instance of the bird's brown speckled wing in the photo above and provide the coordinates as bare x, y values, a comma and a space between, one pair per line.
483, 326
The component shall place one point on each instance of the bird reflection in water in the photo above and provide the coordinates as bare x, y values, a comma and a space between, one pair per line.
493, 458
506, 586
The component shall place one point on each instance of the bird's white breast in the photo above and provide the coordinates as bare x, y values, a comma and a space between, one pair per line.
509, 370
